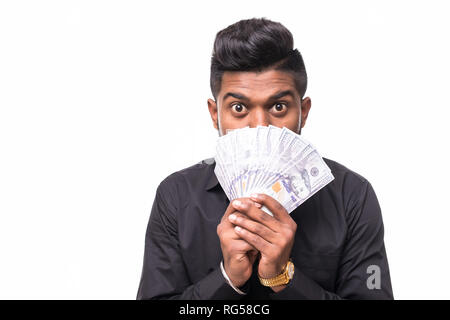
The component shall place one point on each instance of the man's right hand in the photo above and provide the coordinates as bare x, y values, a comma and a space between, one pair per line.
238, 254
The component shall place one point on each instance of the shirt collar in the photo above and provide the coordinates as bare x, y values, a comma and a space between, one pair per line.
211, 181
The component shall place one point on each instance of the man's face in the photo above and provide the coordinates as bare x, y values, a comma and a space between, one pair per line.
258, 99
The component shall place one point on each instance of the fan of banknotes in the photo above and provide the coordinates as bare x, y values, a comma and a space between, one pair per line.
271, 160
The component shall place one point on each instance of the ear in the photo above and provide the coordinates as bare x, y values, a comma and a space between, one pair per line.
306, 106
212, 107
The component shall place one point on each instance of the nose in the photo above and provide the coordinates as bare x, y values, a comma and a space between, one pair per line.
258, 117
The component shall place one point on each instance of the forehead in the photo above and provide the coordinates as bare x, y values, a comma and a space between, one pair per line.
257, 83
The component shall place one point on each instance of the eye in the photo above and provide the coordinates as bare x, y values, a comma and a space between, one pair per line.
238, 108
279, 108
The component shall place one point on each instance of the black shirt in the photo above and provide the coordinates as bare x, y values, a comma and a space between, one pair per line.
338, 250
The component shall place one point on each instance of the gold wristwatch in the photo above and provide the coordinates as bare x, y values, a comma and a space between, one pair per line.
283, 278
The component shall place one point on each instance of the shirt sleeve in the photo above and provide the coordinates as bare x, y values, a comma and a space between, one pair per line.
363, 271
164, 275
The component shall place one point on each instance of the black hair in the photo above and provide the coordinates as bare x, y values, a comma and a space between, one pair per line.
256, 44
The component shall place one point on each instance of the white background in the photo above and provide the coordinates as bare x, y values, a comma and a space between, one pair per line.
101, 100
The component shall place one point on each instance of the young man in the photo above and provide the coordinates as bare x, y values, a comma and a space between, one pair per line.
200, 246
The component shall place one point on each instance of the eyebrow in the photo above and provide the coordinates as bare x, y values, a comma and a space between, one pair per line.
282, 94
235, 95
274, 97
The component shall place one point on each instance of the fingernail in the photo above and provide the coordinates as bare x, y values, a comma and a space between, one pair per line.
258, 205
237, 203
254, 195
238, 229
232, 217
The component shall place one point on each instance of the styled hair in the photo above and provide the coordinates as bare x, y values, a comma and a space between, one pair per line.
256, 45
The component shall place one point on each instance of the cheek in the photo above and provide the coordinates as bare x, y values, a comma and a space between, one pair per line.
227, 121
223, 125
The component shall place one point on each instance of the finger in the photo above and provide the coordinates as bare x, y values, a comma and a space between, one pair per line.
255, 240
253, 226
242, 246
248, 208
229, 233
230, 209
278, 211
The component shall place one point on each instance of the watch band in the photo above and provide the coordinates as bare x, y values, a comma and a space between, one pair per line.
281, 279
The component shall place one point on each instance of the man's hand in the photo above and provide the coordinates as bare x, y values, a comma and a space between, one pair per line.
273, 236
238, 255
